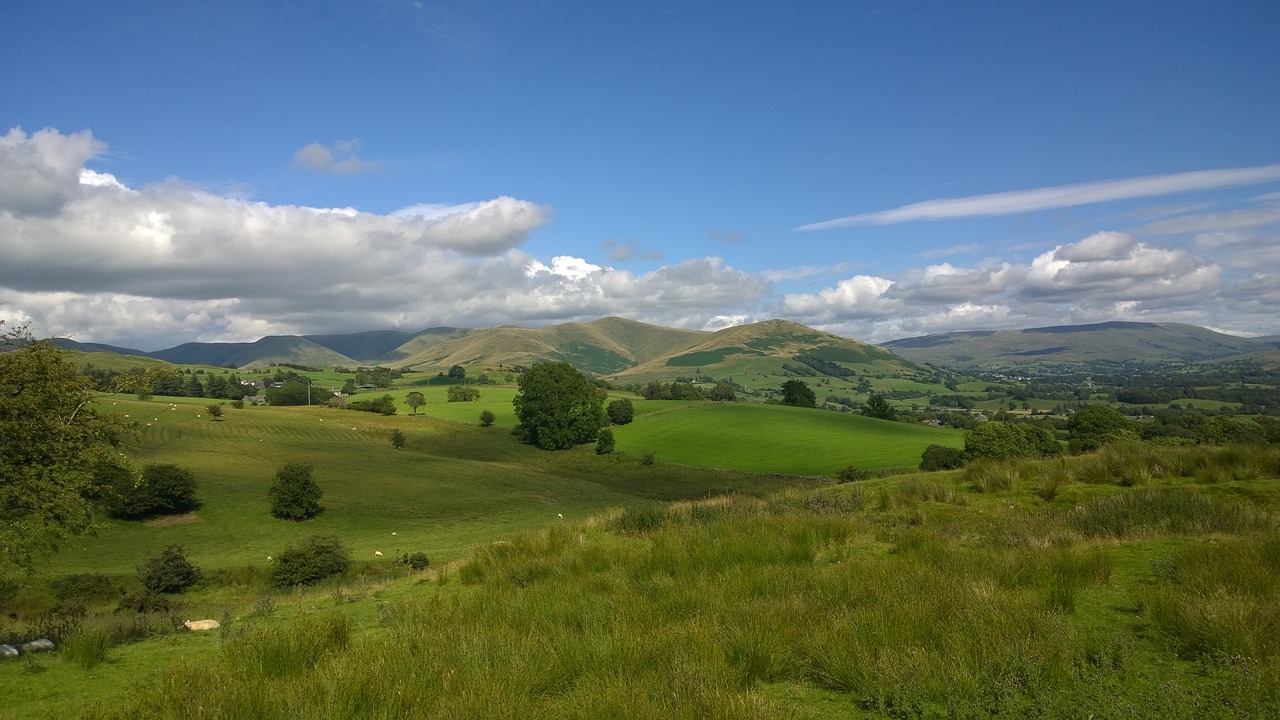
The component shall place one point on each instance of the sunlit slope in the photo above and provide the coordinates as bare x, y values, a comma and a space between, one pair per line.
775, 438
601, 347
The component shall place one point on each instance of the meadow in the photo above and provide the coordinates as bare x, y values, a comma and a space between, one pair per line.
1135, 582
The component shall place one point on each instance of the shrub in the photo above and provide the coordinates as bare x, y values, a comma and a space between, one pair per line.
169, 572
294, 494
852, 474
397, 439
604, 442
237, 404
463, 393
318, 557
84, 587
162, 489
487, 418
620, 411
385, 405
417, 561
939, 457
215, 411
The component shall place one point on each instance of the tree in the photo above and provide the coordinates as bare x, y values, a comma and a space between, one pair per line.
604, 441
487, 418
878, 407
1093, 426
797, 393
52, 438
169, 572
397, 439
318, 557
192, 387
415, 400
557, 407
457, 371
939, 457
462, 393
723, 392
294, 494
1004, 440
215, 411
161, 489
620, 411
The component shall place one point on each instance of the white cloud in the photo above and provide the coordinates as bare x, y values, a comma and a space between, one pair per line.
1112, 266
340, 159
1023, 201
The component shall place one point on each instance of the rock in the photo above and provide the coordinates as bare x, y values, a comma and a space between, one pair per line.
202, 624
8, 651
37, 645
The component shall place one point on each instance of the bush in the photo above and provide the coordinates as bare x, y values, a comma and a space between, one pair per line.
215, 411
463, 393
237, 404
161, 490
397, 439
487, 418
620, 411
417, 561
852, 474
294, 494
939, 457
604, 442
84, 587
169, 572
385, 405
318, 557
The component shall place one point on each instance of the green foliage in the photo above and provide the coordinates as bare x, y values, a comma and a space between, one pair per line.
84, 588
215, 411
318, 557
1002, 440
52, 437
295, 392
457, 371
463, 393
878, 407
161, 489
557, 407
487, 418
605, 442
385, 405
272, 653
798, 394
169, 572
415, 400
724, 391
417, 561
397, 439
1093, 426
852, 474
1230, 430
938, 457
294, 494
620, 411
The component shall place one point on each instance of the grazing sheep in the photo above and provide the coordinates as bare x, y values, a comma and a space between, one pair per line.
268, 558
377, 553
393, 533
202, 624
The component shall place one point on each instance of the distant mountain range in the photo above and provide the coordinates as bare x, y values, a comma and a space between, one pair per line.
637, 352
1111, 342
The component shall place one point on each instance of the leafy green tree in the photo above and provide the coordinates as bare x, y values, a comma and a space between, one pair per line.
415, 400
723, 392
52, 438
397, 439
1228, 430
462, 393
193, 387
161, 489
558, 408
294, 494
385, 405
797, 393
294, 392
1093, 426
169, 572
215, 411
620, 411
457, 371
879, 408
940, 457
318, 557
1004, 440
604, 442
487, 418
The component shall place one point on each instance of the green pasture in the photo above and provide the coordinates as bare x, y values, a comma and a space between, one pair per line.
775, 438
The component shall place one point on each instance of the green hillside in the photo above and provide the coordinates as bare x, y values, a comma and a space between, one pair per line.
1112, 342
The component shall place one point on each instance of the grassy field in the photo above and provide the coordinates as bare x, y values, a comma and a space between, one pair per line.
916, 596
775, 438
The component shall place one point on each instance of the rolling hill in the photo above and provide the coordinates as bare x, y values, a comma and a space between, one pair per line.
1112, 342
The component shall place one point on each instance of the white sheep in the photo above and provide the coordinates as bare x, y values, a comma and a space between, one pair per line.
377, 553
268, 558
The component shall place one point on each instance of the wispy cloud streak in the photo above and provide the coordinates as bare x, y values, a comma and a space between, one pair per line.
1021, 201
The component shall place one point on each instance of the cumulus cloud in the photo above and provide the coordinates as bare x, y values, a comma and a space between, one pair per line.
342, 158
1022, 201
1113, 266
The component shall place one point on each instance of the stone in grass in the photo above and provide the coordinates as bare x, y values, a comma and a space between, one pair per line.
8, 651
37, 645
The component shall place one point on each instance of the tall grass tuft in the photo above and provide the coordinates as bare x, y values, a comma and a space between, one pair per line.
989, 476
88, 646
1148, 513
278, 652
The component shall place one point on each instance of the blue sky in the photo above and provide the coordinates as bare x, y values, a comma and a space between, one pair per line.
172, 172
